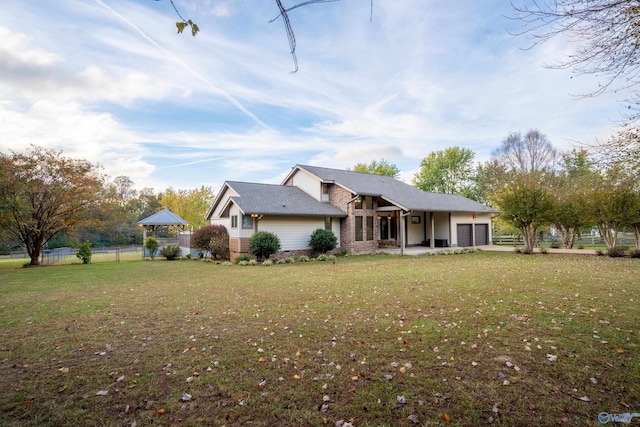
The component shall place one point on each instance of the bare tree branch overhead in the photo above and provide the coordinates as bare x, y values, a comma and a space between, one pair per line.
287, 25
284, 14
607, 38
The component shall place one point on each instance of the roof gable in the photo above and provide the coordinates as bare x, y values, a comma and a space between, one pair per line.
270, 199
164, 217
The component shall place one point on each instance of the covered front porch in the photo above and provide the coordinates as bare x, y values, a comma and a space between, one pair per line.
399, 229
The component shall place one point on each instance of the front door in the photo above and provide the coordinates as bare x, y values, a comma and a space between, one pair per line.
387, 228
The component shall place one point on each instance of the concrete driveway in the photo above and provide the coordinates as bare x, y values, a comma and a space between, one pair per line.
421, 250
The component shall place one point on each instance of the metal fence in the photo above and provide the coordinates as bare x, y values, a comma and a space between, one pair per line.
106, 253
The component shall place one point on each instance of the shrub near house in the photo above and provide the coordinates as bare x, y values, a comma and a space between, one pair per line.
264, 244
323, 241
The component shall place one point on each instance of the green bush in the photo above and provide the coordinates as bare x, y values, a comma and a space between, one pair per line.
303, 258
152, 246
241, 258
84, 253
170, 252
323, 241
263, 244
267, 262
322, 257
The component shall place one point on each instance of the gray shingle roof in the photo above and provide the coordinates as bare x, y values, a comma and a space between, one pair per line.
269, 199
164, 217
397, 192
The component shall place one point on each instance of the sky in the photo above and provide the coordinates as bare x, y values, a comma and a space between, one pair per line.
111, 81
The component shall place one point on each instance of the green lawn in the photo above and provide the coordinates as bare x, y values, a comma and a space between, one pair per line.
450, 339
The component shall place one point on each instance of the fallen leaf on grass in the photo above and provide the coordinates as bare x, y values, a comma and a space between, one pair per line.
446, 418
552, 357
102, 393
64, 370
161, 411
414, 419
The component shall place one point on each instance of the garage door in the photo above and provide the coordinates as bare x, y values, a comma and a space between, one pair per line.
482, 234
464, 235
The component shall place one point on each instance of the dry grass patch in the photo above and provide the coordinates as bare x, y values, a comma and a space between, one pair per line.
463, 339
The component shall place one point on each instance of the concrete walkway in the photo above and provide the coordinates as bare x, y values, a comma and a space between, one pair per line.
421, 250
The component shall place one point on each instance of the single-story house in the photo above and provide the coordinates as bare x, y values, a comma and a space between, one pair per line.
364, 211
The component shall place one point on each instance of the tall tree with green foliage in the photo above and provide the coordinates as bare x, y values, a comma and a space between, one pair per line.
450, 171
191, 205
612, 204
569, 189
43, 194
378, 167
525, 206
517, 181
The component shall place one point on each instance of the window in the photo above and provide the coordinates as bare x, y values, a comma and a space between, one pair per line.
368, 202
325, 188
357, 203
247, 221
327, 223
359, 236
234, 221
369, 228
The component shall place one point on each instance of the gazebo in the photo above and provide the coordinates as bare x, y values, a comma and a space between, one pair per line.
164, 218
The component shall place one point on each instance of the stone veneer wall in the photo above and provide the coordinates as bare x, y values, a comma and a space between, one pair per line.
339, 197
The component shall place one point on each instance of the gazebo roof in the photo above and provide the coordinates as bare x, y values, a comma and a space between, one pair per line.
164, 217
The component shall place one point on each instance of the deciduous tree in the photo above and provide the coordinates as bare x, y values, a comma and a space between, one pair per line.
569, 189
449, 171
612, 204
213, 239
527, 207
191, 205
378, 167
518, 180
43, 193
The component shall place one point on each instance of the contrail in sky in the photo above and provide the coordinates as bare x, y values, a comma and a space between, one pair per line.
173, 57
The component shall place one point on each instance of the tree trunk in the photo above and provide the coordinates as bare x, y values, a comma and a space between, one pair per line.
636, 232
568, 235
529, 236
610, 234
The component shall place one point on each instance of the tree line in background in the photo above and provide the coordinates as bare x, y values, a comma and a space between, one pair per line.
537, 188
48, 200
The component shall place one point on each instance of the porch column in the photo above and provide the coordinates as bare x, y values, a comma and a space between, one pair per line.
402, 233
433, 230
